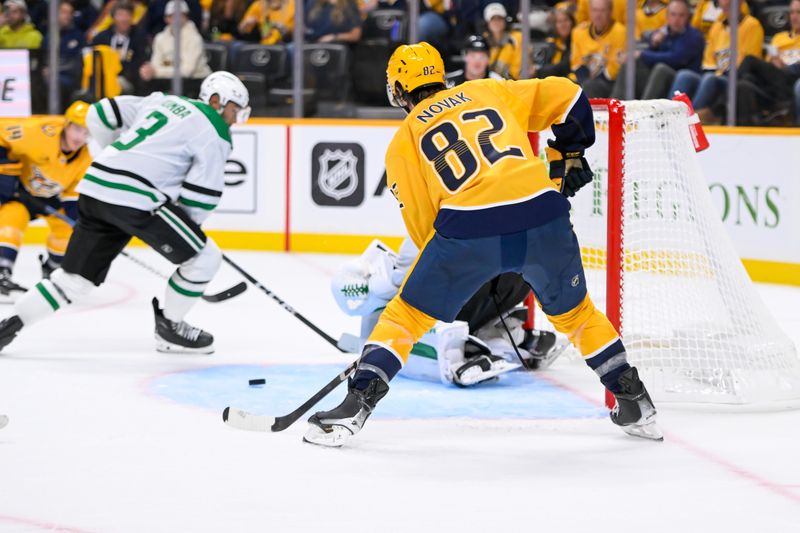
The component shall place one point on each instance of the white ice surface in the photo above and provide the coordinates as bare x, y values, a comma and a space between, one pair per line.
89, 449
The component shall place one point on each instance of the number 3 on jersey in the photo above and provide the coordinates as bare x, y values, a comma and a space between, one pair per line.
452, 157
158, 121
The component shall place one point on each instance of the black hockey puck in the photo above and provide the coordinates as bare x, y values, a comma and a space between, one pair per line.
258, 382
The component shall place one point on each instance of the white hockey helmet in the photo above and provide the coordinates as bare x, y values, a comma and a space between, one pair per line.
229, 88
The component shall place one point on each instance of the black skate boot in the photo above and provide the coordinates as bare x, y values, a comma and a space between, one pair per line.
9, 329
9, 289
335, 427
542, 347
180, 337
48, 266
635, 412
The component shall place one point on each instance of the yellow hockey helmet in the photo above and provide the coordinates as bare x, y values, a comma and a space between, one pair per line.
76, 113
413, 66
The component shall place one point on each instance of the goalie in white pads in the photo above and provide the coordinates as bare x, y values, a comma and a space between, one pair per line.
473, 349
159, 176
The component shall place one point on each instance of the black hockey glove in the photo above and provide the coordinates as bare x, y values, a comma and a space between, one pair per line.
570, 171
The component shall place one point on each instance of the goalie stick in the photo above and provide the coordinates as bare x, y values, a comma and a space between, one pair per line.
227, 294
240, 419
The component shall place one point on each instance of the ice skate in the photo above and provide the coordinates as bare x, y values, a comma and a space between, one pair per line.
9, 289
634, 411
9, 329
541, 348
335, 427
180, 337
480, 369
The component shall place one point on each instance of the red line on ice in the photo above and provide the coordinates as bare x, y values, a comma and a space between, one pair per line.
771, 486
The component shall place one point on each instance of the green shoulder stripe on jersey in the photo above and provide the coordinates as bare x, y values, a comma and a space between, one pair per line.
195, 203
47, 296
181, 290
102, 114
120, 186
223, 130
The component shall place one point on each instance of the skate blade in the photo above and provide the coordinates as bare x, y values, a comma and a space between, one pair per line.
167, 347
474, 376
335, 438
649, 431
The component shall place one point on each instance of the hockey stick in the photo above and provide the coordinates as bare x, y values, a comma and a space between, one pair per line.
227, 294
283, 304
240, 419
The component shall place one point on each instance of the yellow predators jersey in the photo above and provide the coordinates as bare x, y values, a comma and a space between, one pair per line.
461, 161
717, 55
31, 149
786, 45
600, 54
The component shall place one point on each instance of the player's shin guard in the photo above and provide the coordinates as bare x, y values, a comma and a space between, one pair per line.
47, 297
50, 295
190, 279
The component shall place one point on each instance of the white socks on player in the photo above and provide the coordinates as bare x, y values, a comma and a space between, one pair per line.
49, 295
190, 280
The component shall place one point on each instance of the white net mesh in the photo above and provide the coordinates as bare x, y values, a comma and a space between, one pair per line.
692, 321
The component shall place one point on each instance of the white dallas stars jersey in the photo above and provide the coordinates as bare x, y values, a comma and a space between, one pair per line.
158, 149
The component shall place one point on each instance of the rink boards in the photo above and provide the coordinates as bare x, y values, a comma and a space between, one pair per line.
319, 186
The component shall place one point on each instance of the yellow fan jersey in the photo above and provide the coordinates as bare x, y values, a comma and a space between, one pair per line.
717, 55
786, 45
462, 163
31, 149
600, 54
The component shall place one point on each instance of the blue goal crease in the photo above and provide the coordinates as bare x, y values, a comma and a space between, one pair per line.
516, 395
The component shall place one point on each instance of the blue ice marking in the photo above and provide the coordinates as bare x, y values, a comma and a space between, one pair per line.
515, 395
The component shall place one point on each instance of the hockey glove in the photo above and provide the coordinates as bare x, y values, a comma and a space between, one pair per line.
569, 171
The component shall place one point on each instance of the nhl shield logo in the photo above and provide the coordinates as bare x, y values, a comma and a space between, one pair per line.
337, 174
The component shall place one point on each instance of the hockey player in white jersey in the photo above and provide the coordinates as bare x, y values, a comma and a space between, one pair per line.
473, 349
159, 175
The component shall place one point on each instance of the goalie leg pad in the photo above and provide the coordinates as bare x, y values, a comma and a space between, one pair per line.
49, 295
189, 281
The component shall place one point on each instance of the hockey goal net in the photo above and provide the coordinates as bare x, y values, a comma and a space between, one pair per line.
660, 263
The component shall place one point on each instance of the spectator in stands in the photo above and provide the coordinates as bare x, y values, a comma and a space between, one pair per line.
332, 21
128, 41
271, 20
156, 14
596, 49
618, 11
706, 90
505, 47
765, 87
17, 32
433, 24
70, 58
476, 62
105, 19
650, 16
560, 43
193, 58
224, 17
672, 47
707, 12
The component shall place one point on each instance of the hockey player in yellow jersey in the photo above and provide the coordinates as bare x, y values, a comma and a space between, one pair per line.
41, 163
478, 203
